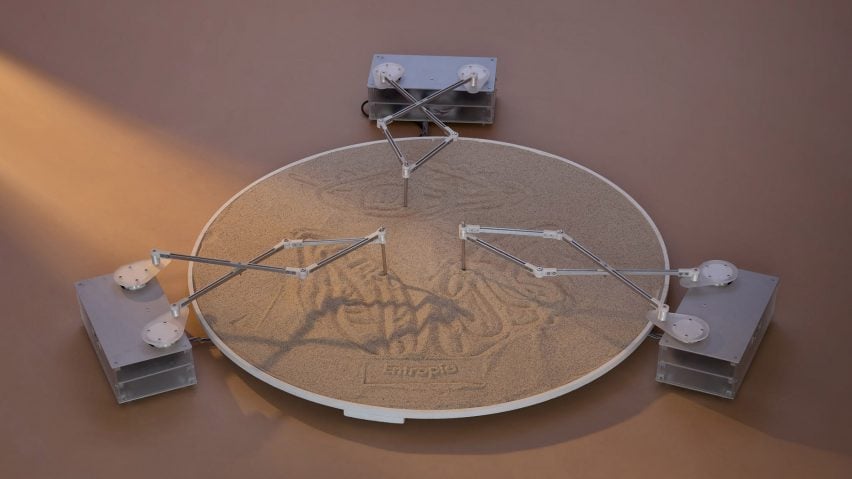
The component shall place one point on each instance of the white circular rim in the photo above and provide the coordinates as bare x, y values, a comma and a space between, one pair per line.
398, 415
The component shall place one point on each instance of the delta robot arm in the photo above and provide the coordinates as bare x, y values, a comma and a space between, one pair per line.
167, 328
683, 327
387, 75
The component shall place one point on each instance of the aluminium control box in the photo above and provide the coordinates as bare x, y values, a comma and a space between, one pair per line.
424, 75
738, 315
114, 319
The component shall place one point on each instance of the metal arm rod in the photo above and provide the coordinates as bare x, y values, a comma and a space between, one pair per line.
428, 156
402, 91
405, 192
222, 262
365, 241
322, 242
559, 234
396, 150
257, 259
632, 272
572, 271
383, 123
419, 103
463, 255
499, 252
556, 234
682, 327
227, 277
630, 284
239, 267
512, 231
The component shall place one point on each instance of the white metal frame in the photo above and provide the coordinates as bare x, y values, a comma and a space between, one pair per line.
399, 415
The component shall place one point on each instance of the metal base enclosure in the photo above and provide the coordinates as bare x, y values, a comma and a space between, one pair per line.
114, 319
738, 315
425, 75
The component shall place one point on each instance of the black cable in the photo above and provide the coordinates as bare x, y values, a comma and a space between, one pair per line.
362, 109
198, 339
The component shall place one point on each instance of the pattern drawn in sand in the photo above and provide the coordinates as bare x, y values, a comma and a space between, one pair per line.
454, 315
439, 190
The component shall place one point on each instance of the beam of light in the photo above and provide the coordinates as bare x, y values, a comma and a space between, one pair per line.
84, 189
105, 179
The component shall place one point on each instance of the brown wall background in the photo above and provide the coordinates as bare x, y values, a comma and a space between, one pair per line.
124, 125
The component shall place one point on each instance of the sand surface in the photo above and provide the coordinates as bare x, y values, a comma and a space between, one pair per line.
428, 336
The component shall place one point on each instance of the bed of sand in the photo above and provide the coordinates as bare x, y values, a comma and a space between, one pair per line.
429, 336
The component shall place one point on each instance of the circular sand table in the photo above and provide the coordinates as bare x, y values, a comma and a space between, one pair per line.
428, 340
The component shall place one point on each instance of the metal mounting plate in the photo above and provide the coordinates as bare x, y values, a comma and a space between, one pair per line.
425, 75
426, 72
732, 312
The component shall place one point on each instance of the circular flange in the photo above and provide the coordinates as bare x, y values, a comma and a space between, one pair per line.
718, 272
688, 329
165, 330
715, 272
480, 76
393, 71
428, 340
137, 275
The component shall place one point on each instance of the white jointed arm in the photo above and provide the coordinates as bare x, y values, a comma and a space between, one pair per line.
709, 273
388, 75
685, 328
168, 327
